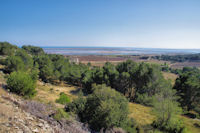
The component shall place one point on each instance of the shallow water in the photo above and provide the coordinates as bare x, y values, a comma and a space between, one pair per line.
115, 51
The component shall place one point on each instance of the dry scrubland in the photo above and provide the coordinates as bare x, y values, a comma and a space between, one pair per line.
142, 114
48, 93
18, 115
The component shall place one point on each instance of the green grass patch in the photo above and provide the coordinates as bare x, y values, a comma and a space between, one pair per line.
63, 99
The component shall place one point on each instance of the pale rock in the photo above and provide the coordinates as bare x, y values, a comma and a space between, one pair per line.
35, 130
40, 125
20, 131
30, 118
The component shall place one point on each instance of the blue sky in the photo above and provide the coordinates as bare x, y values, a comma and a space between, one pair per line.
120, 23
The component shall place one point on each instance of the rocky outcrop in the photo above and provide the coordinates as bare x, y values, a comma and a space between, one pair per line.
23, 116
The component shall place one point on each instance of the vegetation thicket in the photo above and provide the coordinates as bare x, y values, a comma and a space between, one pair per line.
188, 89
104, 108
7, 48
21, 83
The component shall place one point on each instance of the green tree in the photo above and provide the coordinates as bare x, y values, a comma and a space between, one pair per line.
105, 108
125, 82
148, 82
167, 110
33, 50
46, 67
20, 61
22, 84
26, 58
14, 63
7, 48
110, 74
87, 81
188, 89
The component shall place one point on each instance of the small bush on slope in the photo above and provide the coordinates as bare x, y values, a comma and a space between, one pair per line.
63, 99
22, 84
60, 114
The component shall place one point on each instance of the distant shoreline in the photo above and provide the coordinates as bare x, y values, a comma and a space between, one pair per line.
116, 51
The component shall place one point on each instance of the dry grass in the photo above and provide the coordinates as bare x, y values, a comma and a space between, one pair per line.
48, 93
170, 76
2, 75
141, 114
190, 124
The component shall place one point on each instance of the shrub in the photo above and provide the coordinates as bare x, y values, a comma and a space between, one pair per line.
22, 84
77, 106
60, 114
144, 99
130, 126
172, 126
63, 99
104, 108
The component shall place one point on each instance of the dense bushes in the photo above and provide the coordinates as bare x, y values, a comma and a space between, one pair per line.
45, 66
137, 81
33, 50
20, 61
22, 84
7, 48
172, 126
14, 63
104, 108
188, 88
77, 106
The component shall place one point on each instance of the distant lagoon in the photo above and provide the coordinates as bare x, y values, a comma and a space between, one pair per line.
115, 51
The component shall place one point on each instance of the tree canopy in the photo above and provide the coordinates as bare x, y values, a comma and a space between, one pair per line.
188, 88
22, 84
7, 48
33, 50
104, 108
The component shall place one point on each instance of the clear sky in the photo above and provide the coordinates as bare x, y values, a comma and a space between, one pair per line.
120, 23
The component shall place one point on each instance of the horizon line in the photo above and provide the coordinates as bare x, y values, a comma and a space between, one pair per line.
114, 47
